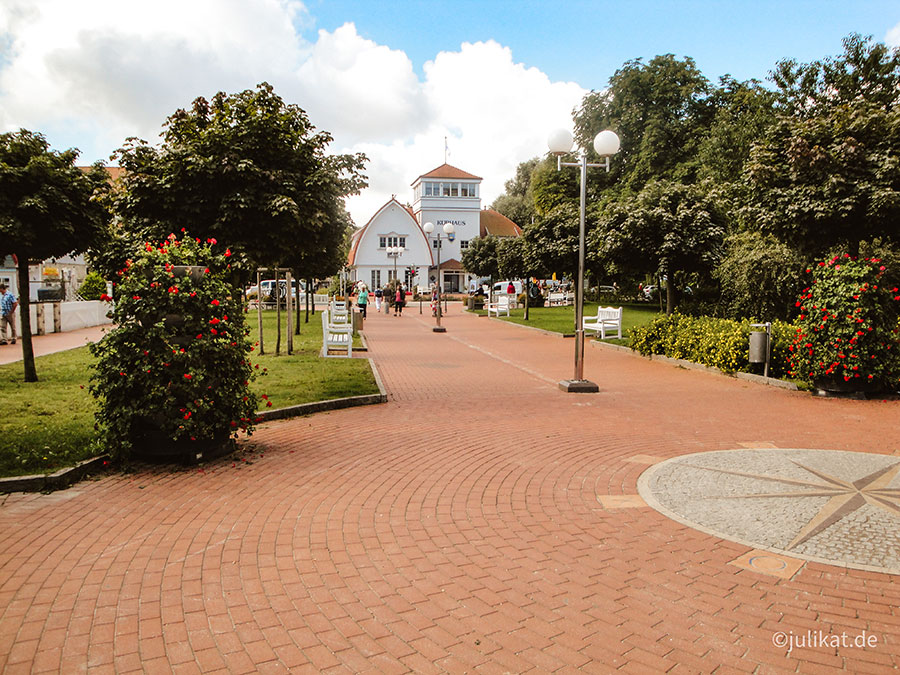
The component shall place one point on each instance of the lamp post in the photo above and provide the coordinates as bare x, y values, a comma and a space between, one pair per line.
448, 230
395, 252
606, 143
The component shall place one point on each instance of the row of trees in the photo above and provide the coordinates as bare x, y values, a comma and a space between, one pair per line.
247, 171
730, 188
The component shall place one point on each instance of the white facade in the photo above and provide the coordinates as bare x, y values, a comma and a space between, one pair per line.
444, 195
392, 225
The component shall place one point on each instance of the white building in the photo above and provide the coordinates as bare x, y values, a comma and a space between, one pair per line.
444, 195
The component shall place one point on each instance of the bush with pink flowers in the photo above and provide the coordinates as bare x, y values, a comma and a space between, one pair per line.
172, 378
848, 328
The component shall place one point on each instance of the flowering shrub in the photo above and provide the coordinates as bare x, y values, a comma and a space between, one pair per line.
848, 331
175, 371
718, 343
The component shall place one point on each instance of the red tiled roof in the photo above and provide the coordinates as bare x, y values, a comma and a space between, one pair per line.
496, 224
452, 265
447, 171
115, 172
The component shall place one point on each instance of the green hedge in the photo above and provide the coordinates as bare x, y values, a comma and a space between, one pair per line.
719, 343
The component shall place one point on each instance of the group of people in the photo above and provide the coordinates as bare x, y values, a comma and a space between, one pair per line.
380, 295
8, 304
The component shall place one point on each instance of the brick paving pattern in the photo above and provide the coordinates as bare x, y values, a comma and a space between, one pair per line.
460, 527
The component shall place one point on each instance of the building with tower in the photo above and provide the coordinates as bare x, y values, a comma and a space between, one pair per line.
446, 194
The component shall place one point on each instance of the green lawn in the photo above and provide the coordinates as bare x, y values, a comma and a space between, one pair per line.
562, 319
49, 424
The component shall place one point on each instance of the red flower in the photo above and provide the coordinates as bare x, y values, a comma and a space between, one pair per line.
215, 303
211, 240
213, 321
187, 376
228, 253
105, 298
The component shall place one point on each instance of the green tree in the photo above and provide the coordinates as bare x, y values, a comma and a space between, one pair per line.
517, 203
47, 209
481, 257
551, 242
743, 113
659, 110
670, 228
826, 173
245, 169
759, 277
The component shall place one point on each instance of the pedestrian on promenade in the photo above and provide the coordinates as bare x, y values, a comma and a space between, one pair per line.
378, 295
362, 300
8, 304
510, 290
399, 301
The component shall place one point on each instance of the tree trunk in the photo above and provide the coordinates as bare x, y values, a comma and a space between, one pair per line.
297, 298
25, 320
671, 295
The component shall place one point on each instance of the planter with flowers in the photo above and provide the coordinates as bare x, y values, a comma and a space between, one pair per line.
172, 378
847, 340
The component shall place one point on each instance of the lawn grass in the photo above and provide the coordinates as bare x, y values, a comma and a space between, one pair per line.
562, 319
49, 424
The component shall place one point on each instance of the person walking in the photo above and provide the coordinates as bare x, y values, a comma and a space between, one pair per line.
378, 295
399, 301
362, 300
8, 304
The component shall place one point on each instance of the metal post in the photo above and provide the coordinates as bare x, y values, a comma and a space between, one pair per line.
439, 328
579, 282
290, 313
259, 310
277, 315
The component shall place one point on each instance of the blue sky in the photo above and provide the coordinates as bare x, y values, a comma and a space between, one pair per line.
587, 41
387, 78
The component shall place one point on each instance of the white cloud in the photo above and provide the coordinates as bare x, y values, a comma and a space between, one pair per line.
95, 72
892, 38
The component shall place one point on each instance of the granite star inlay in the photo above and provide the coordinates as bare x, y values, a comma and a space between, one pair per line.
824, 505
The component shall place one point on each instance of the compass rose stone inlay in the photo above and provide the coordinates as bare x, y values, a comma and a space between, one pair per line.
824, 505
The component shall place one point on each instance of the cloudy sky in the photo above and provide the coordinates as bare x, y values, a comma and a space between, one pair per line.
388, 78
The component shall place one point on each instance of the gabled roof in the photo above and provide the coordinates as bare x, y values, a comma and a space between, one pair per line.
452, 265
494, 223
357, 236
447, 171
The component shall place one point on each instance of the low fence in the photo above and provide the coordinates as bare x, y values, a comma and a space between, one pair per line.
56, 317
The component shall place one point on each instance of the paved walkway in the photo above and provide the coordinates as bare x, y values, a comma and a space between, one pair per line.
52, 342
482, 520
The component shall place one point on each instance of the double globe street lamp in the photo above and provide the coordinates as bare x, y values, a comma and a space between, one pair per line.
606, 144
448, 230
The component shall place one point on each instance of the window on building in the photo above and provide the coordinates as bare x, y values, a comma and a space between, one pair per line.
376, 279
454, 189
427, 189
445, 189
382, 242
402, 241
463, 244
435, 243
392, 275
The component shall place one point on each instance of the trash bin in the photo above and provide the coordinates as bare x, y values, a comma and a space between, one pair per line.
758, 346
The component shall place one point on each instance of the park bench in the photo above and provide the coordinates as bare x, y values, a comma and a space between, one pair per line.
339, 312
606, 319
559, 299
336, 337
503, 304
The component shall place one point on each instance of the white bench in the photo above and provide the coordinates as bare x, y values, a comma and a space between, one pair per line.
606, 319
504, 302
339, 312
560, 299
336, 337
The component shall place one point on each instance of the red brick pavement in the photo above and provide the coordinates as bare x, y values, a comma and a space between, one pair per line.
455, 528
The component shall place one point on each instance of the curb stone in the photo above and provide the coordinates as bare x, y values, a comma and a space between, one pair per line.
57, 480
63, 478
